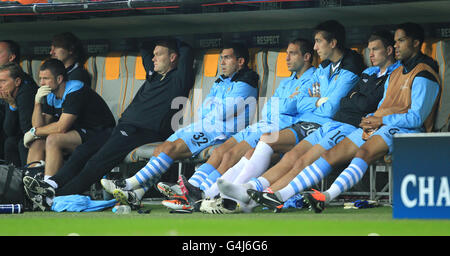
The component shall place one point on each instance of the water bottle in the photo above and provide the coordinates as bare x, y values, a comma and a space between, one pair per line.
121, 209
11, 208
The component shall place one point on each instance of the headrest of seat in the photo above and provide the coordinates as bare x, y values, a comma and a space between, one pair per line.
282, 69
112, 66
210, 63
139, 70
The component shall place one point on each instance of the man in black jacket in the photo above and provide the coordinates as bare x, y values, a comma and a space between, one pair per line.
147, 119
17, 104
18, 91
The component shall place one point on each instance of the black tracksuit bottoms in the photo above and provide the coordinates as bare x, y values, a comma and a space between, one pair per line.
15, 152
98, 156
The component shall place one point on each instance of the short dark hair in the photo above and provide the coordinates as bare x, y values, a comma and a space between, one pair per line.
386, 37
13, 48
14, 69
169, 43
56, 67
332, 29
70, 42
305, 45
413, 30
240, 50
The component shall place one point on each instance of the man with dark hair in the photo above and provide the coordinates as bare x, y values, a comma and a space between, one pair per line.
147, 119
226, 110
18, 92
67, 48
409, 105
66, 114
363, 99
332, 30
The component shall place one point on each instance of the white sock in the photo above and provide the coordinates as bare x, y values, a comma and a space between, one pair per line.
229, 175
236, 191
285, 193
51, 183
140, 192
234, 171
257, 165
49, 201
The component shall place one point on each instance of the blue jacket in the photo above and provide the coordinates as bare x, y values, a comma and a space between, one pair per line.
286, 110
224, 108
334, 87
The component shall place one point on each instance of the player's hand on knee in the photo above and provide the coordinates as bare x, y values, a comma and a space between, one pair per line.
29, 137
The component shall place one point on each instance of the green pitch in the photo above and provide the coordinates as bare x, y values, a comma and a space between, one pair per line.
333, 221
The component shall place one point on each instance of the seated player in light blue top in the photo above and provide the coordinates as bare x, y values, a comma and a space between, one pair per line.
359, 102
411, 94
227, 109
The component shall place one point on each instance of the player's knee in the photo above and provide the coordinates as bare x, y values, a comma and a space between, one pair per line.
290, 156
249, 153
218, 152
266, 138
299, 163
329, 156
366, 154
168, 148
159, 149
228, 155
53, 141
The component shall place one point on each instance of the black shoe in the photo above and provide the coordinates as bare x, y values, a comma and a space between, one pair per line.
266, 199
38, 191
38, 186
192, 193
127, 198
316, 201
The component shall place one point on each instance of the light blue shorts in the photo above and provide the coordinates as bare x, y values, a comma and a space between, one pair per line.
196, 141
330, 134
252, 133
386, 132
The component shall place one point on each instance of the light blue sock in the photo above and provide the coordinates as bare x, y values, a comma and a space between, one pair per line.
210, 180
201, 174
348, 178
308, 177
156, 167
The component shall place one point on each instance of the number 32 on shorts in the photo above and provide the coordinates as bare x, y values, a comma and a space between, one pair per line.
199, 138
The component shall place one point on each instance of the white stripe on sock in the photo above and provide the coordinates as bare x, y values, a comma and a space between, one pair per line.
317, 169
361, 173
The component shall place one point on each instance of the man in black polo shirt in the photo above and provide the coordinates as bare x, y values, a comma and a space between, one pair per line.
67, 48
17, 98
66, 114
147, 119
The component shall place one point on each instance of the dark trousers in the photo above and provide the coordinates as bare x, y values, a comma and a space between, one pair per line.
15, 152
123, 140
